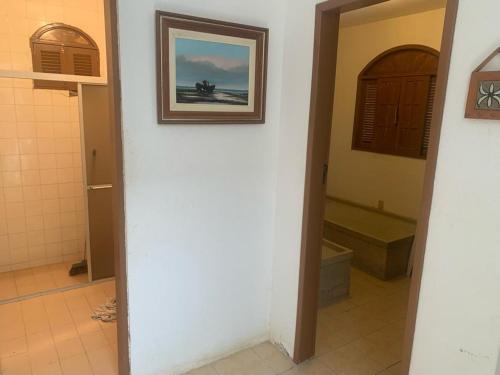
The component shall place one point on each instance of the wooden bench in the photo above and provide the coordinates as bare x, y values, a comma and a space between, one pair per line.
381, 243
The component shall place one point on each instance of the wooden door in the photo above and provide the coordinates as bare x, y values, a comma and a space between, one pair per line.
98, 160
386, 114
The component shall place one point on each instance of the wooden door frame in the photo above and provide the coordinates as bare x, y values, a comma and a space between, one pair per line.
318, 144
111, 23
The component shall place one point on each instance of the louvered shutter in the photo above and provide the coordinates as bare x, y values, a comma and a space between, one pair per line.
48, 59
83, 61
366, 126
428, 116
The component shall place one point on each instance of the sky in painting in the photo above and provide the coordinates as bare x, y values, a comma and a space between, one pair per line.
222, 64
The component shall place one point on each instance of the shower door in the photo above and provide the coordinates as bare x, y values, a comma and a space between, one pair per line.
98, 155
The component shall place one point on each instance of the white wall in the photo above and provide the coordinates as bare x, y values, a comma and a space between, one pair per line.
292, 145
204, 204
458, 325
367, 177
199, 204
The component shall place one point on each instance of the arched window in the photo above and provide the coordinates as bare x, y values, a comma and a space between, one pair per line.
394, 102
63, 49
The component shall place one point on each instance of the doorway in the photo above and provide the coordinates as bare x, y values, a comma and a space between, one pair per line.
322, 93
37, 326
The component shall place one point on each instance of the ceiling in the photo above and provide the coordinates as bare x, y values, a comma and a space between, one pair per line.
389, 9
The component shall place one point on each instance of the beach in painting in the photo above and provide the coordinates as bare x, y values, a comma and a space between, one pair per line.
212, 73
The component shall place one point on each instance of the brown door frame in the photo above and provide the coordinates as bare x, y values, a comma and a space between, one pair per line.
113, 70
318, 145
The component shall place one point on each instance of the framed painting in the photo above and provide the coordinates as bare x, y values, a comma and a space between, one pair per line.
210, 72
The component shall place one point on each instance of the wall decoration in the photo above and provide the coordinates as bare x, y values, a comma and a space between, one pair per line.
210, 72
483, 101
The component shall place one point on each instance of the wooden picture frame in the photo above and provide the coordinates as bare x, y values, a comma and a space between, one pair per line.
483, 101
209, 71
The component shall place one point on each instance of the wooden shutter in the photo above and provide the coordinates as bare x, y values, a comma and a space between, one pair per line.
428, 117
411, 117
67, 50
48, 59
365, 127
386, 114
83, 61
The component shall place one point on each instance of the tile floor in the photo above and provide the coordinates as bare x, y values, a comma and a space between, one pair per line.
37, 279
361, 335
54, 334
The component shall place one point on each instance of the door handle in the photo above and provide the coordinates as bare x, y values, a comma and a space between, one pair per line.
99, 187
325, 173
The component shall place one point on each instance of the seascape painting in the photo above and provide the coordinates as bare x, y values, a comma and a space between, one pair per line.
211, 73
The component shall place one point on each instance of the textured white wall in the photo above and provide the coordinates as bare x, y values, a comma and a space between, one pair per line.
199, 204
292, 145
458, 324
204, 204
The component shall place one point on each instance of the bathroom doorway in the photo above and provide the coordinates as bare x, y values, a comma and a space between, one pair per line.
60, 151
323, 85
57, 228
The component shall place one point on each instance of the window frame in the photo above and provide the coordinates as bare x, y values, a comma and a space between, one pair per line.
367, 75
66, 54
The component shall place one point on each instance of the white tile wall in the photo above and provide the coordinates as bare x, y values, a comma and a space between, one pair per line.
19, 19
41, 195
41, 192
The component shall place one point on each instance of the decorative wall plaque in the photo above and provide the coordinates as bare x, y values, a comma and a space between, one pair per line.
483, 101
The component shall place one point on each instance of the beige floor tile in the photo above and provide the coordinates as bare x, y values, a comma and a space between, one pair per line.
109, 330
41, 336
279, 363
49, 369
8, 288
40, 341
16, 365
43, 358
37, 279
69, 348
76, 365
11, 328
86, 326
393, 370
103, 361
228, 366
349, 360
9, 348
94, 340
63, 332
313, 367
205, 370
35, 316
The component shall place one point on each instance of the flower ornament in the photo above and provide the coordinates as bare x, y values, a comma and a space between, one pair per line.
490, 95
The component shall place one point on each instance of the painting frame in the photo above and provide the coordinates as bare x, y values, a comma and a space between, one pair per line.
200, 101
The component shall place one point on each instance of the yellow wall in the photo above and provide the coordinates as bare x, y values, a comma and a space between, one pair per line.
366, 177
19, 19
